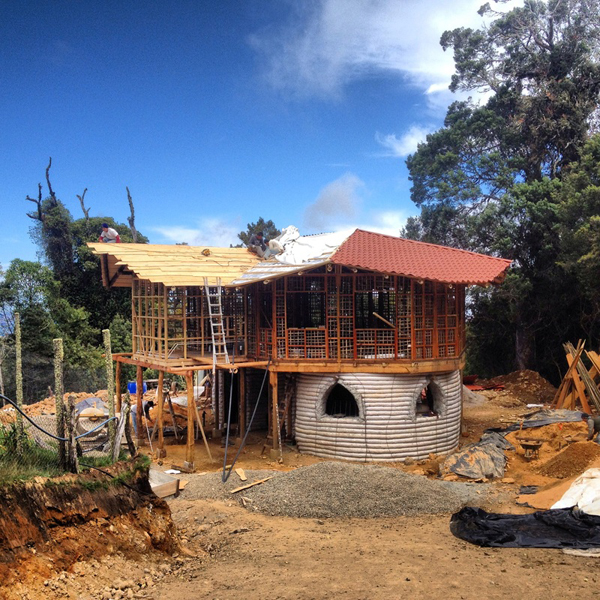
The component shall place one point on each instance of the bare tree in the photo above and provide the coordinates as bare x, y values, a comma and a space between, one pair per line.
39, 214
131, 219
86, 211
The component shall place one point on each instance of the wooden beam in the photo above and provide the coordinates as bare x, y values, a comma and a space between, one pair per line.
139, 393
160, 397
118, 384
114, 278
242, 403
189, 451
275, 409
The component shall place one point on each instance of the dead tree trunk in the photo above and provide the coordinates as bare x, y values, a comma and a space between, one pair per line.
86, 211
131, 219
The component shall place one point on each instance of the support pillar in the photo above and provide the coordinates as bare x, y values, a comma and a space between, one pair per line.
139, 394
160, 397
118, 384
189, 452
274, 415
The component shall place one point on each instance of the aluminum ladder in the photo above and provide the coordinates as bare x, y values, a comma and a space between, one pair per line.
217, 329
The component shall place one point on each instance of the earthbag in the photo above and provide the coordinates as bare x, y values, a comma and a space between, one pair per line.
558, 528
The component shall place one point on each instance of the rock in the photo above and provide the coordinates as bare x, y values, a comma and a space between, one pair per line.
507, 480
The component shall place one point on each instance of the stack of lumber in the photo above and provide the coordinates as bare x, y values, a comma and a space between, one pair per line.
580, 384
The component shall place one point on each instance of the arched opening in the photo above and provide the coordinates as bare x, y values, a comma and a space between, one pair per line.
341, 403
429, 403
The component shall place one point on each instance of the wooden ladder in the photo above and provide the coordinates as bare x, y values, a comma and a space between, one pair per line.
217, 329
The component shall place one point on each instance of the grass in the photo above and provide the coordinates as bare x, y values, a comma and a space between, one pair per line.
35, 461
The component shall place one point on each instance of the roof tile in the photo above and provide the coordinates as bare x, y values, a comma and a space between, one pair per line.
399, 256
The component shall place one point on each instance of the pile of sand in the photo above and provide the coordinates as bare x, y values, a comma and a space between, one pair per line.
572, 461
527, 386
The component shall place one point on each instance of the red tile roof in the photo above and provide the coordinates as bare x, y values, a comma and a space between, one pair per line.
398, 256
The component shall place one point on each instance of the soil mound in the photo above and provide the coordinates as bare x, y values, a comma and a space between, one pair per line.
528, 386
572, 461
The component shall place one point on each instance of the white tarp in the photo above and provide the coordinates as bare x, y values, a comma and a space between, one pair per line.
299, 249
584, 493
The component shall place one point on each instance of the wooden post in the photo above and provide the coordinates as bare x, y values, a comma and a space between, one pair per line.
59, 401
71, 458
160, 397
126, 413
189, 454
110, 388
274, 416
139, 394
242, 403
118, 384
19, 382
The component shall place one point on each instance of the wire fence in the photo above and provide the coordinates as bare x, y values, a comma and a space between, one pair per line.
44, 432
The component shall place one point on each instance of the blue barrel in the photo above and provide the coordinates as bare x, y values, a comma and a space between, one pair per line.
132, 387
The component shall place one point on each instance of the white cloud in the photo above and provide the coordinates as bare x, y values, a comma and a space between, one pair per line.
339, 207
338, 202
329, 43
209, 232
404, 145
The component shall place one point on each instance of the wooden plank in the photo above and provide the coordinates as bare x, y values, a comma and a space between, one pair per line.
558, 401
241, 474
249, 485
579, 387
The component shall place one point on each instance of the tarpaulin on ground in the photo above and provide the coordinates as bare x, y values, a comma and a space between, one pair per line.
560, 528
546, 416
485, 459
584, 493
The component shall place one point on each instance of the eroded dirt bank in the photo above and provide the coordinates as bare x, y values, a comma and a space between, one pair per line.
49, 526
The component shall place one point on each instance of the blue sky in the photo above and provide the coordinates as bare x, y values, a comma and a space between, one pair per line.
216, 112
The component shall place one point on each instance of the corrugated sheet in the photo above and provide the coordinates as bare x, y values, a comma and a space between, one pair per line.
387, 428
398, 256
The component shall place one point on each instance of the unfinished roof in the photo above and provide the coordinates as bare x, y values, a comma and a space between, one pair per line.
171, 265
399, 256
189, 265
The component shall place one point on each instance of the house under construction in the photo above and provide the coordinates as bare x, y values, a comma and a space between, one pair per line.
362, 335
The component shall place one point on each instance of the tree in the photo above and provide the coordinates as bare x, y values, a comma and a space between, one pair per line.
489, 179
267, 228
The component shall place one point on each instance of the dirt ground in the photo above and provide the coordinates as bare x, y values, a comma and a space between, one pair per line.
229, 552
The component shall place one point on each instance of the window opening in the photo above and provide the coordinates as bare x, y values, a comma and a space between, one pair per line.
426, 403
341, 403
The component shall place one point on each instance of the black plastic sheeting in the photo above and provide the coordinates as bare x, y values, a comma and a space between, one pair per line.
558, 528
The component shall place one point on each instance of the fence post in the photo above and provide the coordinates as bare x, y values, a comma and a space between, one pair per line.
110, 387
72, 462
59, 401
19, 382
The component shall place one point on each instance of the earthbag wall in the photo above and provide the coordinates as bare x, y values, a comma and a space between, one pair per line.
388, 427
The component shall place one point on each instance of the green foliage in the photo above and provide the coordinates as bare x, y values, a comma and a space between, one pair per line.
267, 228
505, 178
32, 461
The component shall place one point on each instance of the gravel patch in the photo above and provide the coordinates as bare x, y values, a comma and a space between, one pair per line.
209, 486
335, 489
